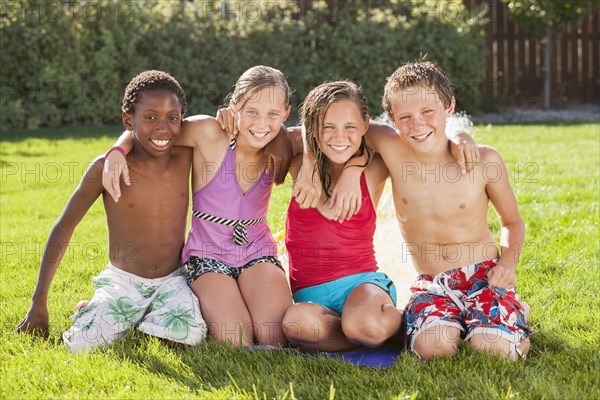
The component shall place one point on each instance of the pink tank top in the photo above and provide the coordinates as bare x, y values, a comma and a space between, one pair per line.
221, 202
321, 250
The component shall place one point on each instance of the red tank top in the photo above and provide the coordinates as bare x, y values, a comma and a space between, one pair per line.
321, 250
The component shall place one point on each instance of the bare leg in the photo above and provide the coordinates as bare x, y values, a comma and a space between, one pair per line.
437, 341
369, 316
266, 292
315, 328
497, 345
224, 309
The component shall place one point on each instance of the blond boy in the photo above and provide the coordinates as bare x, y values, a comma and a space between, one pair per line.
466, 287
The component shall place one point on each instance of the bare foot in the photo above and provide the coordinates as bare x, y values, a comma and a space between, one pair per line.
81, 304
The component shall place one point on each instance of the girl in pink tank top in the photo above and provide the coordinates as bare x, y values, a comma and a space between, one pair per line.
230, 255
333, 271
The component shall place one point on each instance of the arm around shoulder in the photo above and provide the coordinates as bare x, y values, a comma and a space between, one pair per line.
200, 130
378, 134
376, 174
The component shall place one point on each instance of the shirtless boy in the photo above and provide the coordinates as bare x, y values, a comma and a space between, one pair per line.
143, 285
466, 286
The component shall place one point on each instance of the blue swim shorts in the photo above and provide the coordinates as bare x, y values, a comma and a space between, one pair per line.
333, 294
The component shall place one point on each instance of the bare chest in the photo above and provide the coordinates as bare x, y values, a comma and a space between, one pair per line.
440, 192
153, 195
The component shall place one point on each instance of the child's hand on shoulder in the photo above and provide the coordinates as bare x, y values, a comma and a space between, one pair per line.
226, 118
115, 166
307, 188
502, 276
346, 198
465, 151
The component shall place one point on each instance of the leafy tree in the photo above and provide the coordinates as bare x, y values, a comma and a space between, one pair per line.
67, 62
547, 20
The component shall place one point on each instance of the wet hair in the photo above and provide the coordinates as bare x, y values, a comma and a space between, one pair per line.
148, 81
421, 73
255, 79
312, 115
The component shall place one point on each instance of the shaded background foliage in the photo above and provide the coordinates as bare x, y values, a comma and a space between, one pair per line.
67, 62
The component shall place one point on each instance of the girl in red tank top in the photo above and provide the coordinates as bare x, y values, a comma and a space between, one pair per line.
341, 300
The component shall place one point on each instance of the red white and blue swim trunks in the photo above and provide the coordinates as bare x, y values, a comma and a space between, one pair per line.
461, 298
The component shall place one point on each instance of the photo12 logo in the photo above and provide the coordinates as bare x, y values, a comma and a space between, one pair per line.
55, 11
38, 172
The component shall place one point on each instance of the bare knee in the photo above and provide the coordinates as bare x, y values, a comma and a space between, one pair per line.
429, 351
236, 334
269, 334
300, 323
499, 346
437, 342
368, 332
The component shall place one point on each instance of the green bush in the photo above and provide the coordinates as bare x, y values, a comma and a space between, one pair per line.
67, 63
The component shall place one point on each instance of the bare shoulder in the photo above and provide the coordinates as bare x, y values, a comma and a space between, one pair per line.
295, 132
204, 129
382, 137
91, 180
489, 154
95, 167
492, 165
382, 131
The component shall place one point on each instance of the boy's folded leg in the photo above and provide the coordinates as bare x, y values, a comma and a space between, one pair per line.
432, 320
175, 313
497, 320
94, 326
116, 306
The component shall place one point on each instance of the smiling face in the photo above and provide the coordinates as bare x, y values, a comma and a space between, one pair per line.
342, 131
156, 121
261, 117
420, 117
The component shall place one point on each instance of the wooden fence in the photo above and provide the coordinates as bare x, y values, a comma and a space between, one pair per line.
513, 61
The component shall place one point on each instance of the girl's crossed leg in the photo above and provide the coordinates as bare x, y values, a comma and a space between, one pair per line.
368, 318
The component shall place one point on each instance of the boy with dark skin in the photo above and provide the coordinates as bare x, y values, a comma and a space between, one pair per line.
146, 231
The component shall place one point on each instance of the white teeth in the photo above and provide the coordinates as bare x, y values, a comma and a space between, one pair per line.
423, 136
259, 135
161, 142
339, 148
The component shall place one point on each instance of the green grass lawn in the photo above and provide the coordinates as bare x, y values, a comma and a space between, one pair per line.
555, 174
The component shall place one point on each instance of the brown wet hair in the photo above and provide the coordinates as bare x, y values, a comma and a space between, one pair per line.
312, 115
410, 75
